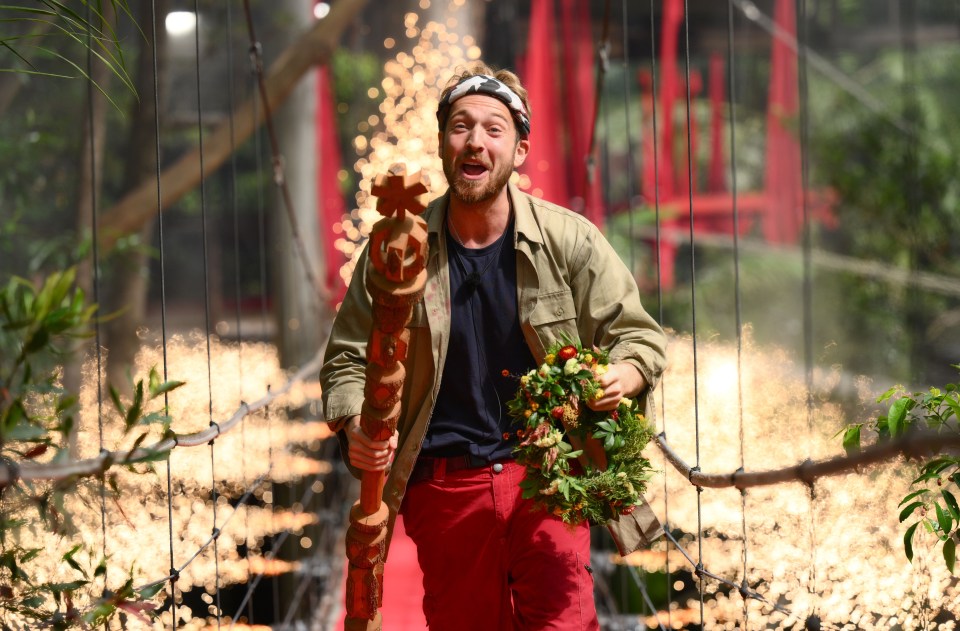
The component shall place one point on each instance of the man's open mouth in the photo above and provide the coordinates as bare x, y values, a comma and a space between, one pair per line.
473, 170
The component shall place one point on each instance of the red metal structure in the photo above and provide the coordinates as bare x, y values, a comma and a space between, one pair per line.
776, 210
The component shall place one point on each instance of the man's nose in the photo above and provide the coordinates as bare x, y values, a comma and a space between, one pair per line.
474, 138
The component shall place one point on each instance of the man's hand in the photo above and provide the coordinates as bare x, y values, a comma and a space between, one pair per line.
621, 380
367, 454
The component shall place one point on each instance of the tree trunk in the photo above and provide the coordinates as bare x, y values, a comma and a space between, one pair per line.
299, 325
129, 270
313, 48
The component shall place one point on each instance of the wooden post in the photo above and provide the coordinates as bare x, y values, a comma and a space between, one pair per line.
396, 277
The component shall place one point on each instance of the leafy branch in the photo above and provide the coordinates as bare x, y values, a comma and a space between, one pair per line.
37, 415
933, 502
90, 29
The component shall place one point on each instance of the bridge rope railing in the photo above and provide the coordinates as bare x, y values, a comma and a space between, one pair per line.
12, 472
912, 445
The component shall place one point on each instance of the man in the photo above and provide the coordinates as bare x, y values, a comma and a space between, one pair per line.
508, 274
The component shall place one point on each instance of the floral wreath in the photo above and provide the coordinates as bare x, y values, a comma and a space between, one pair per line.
582, 465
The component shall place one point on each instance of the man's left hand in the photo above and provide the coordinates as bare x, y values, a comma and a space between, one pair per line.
621, 380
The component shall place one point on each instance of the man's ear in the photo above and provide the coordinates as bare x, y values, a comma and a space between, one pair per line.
520, 153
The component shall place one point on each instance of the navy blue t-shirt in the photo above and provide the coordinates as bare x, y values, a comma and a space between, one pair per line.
470, 416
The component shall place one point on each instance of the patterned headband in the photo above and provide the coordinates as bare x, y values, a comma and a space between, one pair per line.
482, 84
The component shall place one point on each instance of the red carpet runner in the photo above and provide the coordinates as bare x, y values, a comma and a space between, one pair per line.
402, 587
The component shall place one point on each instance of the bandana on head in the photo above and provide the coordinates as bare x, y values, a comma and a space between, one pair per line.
483, 84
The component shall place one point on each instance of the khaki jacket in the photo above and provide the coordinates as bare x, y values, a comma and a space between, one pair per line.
570, 282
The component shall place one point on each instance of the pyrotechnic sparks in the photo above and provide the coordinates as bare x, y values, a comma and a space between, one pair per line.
137, 540
407, 131
838, 554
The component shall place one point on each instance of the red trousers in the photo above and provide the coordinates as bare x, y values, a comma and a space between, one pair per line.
490, 563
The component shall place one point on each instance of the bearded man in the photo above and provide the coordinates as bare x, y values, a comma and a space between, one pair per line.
508, 275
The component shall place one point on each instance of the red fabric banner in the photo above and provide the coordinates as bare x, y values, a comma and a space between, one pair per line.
545, 165
783, 220
330, 204
579, 91
717, 175
669, 89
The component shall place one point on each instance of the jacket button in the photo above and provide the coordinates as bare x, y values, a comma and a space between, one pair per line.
497, 468
559, 312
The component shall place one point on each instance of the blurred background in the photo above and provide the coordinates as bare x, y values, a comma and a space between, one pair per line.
781, 176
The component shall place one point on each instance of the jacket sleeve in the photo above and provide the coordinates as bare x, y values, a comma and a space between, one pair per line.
610, 313
611, 316
342, 376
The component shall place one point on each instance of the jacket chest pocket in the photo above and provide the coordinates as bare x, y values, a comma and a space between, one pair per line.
554, 317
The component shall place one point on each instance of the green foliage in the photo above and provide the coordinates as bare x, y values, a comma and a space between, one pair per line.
37, 321
352, 73
37, 417
558, 430
62, 34
933, 503
898, 201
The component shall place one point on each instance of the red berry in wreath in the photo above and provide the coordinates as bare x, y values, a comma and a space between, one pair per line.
557, 412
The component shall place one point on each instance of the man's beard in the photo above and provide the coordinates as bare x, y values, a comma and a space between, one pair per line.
473, 191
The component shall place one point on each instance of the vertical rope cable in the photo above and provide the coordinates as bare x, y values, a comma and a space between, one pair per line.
231, 98
626, 103
163, 302
657, 226
631, 174
206, 306
693, 296
604, 113
738, 294
603, 64
279, 177
908, 47
234, 206
803, 46
95, 268
264, 316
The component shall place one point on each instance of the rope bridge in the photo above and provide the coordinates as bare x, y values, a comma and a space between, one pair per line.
683, 392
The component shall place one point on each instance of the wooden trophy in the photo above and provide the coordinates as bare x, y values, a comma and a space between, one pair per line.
395, 280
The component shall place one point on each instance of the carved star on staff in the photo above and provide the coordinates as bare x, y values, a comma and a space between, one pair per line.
398, 192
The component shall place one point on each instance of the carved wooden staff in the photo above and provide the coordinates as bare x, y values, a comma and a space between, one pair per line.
395, 280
